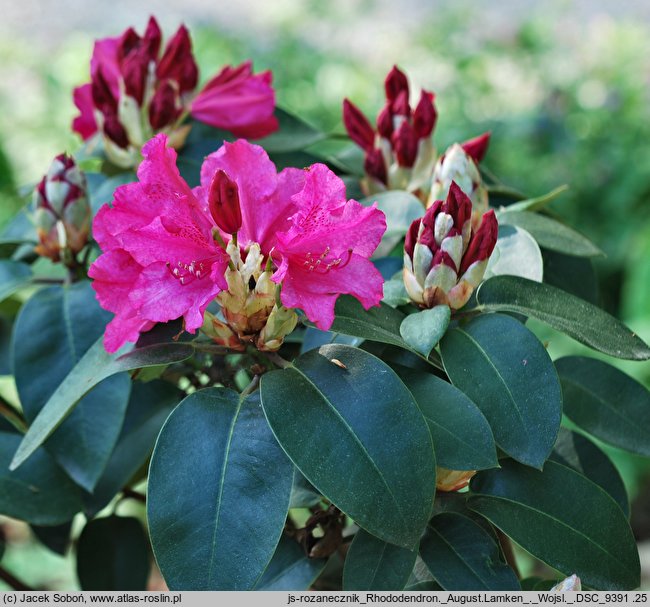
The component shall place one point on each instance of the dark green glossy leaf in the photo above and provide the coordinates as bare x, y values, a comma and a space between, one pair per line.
577, 318
53, 331
290, 568
113, 554
462, 556
332, 419
40, 493
303, 493
577, 452
372, 564
529, 583
575, 275
315, 410
13, 276
551, 234
506, 371
150, 404
423, 330
219, 489
93, 367
462, 438
606, 402
56, 538
380, 323
562, 518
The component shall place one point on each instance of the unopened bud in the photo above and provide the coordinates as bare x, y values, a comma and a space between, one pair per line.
477, 147
385, 125
396, 83
163, 109
570, 584
223, 201
60, 209
424, 116
357, 126
280, 323
405, 145
177, 62
375, 166
444, 259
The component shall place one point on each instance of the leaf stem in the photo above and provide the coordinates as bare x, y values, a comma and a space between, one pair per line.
277, 360
250, 388
13, 581
13, 415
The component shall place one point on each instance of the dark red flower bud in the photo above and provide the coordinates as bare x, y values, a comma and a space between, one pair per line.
134, 72
152, 38
114, 130
425, 115
477, 147
483, 241
385, 122
375, 167
357, 126
177, 62
102, 94
163, 109
405, 145
400, 106
412, 237
396, 83
223, 201
129, 41
458, 205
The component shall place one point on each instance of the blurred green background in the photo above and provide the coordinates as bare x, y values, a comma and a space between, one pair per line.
564, 87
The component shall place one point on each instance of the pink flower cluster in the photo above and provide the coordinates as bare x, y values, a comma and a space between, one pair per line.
163, 255
135, 91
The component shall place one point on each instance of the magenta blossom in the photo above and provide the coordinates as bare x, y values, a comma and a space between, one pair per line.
298, 233
136, 90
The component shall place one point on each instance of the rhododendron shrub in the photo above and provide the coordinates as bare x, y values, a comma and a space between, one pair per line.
306, 388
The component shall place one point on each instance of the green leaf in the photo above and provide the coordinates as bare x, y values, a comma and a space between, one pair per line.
539, 202
550, 234
219, 489
13, 276
380, 323
150, 404
303, 494
577, 452
606, 402
93, 367
501, 366
462, 438
563, 519
113, 554
423, 330
517, 254
575, 275
294, 134
372, 564
53, 331
40, 493
462, 556
581, 320
290, 568
353, 429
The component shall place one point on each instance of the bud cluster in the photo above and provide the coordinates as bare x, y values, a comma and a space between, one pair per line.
60, 211
444, 256
138, 92
399, 153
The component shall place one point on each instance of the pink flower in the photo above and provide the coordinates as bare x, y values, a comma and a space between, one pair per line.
160, 260
136, 90
296, 230
319, 242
